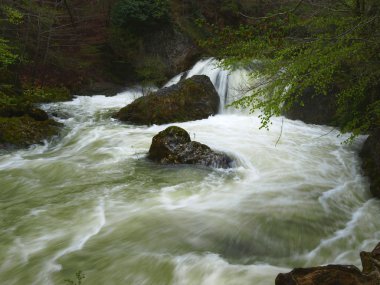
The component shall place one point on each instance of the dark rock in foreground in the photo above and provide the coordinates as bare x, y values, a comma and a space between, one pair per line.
337, 274
370, 155
174, 146
192, 99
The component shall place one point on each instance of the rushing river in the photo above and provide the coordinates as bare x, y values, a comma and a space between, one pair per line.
91, 201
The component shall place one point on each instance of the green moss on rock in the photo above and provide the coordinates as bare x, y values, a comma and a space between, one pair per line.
192, 99
164, 142
47, 94
18, 132
174, 146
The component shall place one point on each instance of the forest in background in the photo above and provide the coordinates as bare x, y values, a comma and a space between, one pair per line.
46, 41
310, 48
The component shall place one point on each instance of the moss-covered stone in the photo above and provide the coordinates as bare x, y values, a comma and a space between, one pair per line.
174, 146
47, 94
24, 104
13, 110
192, 99
22, 109
166, 141
38, 114
19, 132
21, 123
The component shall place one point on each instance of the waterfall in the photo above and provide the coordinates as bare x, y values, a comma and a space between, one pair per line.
227, 83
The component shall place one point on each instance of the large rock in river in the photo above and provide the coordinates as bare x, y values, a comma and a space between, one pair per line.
174, 146
191, 99
337, 274
370, 155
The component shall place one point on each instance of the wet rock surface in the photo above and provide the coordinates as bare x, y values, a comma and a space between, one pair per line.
370, 155
174, 146
337, 274
191, 99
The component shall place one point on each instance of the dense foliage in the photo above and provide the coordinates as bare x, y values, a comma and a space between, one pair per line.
331, 46
46, 40
140, 14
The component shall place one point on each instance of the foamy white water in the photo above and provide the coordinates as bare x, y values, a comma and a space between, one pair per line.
230, 85
90, 201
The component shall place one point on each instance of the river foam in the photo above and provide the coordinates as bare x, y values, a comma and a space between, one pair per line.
91, 201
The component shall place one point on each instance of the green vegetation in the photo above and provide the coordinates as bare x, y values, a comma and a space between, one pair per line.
331, 46
151, 70
37, 94
25, 130
100, 41
132, 22
7, 56
140, 14
192, 99
9, 17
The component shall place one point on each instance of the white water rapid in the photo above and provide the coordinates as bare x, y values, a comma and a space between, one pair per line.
90, 201
228, 85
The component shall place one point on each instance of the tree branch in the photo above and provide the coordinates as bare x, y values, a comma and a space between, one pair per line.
69, 12
360, 24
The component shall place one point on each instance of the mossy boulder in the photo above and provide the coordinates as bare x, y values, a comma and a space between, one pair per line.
9, 111
38, 114
174, 146
14, 110
22, 123
337, 274
20, 132
24, 104
191, 99
166, 141
370, 155
46, 94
